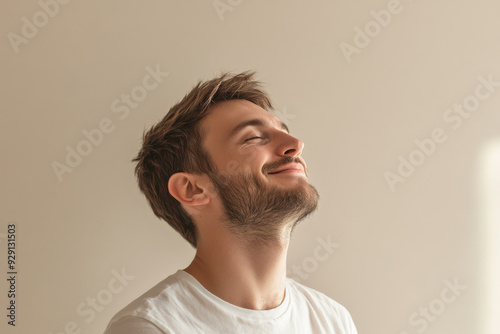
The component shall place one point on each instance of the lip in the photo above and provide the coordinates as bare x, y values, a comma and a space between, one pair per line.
290, 168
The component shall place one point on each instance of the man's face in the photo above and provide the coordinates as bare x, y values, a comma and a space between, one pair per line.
260, 176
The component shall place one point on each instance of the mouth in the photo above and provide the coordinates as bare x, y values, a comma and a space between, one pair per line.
289, 169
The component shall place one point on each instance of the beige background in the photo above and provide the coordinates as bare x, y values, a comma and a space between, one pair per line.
395, 248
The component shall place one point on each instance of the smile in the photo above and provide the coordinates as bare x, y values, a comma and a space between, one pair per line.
289, 169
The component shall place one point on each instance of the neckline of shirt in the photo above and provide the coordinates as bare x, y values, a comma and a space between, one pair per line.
237, 310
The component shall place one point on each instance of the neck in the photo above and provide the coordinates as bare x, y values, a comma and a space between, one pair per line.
246, 274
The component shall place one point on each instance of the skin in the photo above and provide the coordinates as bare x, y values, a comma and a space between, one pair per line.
245, 274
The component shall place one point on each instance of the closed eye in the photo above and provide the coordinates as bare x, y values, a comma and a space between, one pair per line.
253, 138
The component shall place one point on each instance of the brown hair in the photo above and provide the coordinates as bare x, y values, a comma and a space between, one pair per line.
175, 144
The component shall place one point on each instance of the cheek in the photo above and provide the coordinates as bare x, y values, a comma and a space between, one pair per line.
244, 162
255, 158
249, 156
232, 167
254, 155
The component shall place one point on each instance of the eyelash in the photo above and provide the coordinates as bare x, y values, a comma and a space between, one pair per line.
252, 138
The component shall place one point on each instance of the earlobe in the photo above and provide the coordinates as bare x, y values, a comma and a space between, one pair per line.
185, 188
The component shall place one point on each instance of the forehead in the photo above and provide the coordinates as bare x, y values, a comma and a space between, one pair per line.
225, 116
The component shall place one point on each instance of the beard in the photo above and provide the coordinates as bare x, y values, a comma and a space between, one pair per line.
258, 212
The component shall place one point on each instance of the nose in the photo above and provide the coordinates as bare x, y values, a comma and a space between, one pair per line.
289, 146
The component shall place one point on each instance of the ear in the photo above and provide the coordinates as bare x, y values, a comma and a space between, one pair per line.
188, 189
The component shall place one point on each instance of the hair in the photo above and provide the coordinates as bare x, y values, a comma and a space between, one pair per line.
175, 144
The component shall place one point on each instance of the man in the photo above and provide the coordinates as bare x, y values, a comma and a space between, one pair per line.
228, 176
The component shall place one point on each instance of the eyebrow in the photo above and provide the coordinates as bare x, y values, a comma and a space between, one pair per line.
254, 122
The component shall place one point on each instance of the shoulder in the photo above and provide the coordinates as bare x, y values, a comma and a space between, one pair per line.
320, 304
303, 292
133, 325
152, 308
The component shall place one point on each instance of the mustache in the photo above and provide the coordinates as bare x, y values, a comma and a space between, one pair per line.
281, 162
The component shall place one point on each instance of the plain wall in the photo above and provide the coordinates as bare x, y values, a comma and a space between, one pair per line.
359, 102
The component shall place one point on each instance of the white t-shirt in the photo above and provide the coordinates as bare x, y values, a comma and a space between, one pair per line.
181, 305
